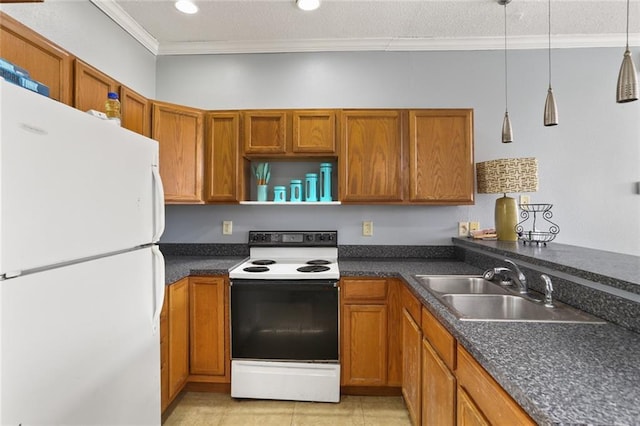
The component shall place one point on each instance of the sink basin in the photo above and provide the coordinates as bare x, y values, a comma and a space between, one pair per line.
506, 307
459, 284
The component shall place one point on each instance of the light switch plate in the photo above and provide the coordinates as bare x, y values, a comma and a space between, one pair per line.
227, 227
367, 228
525, 199
474, 226
463, 229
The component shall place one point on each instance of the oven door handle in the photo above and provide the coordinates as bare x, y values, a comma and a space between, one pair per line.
310, 285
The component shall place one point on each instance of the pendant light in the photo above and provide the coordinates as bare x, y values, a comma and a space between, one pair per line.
550, 108
627, 90
507, 132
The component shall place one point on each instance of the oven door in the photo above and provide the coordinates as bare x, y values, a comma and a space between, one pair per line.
285, 320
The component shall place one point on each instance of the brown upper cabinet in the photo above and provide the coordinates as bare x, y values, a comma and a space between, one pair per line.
265, 132
46, 62
223, 180
136, 111
407, 156
314, 132
441, 156
179, 132
371, 153
91, 87
284, 133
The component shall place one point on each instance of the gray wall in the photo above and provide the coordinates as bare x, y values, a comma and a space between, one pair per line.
82, 29
589, 164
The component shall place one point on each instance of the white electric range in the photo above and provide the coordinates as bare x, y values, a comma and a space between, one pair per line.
285, 317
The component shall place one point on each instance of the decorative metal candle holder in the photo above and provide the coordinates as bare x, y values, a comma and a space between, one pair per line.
535, 235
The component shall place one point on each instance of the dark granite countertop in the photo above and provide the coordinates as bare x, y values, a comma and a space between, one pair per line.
178, 267
560, 374
615, 269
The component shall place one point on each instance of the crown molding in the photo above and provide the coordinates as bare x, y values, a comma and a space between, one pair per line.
394, 44
124, 20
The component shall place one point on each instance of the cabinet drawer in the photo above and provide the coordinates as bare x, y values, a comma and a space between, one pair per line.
487, 395
365, 290
443, 342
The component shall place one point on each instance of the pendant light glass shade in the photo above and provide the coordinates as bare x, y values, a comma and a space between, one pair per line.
627, 89
550, 107
507, 133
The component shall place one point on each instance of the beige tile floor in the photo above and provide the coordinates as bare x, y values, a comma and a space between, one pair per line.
200, 409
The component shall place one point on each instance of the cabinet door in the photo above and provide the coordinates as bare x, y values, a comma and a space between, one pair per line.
468, 413
394, 330
441, 156
136, 111
164, 354
411, 364
364, 345
179, 132
438, 389
178, 336
265, 132
371, 156
46, 62
222, 157
91, 87
208, 327
488, 397
314, 132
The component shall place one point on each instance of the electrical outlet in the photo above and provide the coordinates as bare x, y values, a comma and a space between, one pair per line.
525, 199
463, 229
227, 227
473, 226
367, 228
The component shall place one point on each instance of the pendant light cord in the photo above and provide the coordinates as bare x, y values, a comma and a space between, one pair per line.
549, 43
627, 24
506, 101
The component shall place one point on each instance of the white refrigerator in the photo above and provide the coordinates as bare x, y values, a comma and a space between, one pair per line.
81, 280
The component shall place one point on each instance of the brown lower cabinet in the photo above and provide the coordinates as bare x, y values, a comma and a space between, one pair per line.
388, 340
178, 325
438, 380
371, 341
209, 337
164, 357
481, 400
411, 344
194, 336
456, 390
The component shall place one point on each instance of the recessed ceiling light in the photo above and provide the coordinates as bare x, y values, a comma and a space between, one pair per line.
308, 4
186, 6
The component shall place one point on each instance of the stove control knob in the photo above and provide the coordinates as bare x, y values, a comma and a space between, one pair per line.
309, 237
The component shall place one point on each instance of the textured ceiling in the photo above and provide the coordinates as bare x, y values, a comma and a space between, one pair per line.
278, 26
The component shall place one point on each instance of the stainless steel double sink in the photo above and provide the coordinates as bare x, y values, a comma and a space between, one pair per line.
473, 298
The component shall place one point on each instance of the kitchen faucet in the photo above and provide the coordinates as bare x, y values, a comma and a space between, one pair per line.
514, 275
520, 279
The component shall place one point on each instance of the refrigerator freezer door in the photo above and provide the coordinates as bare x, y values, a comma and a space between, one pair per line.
78, 346
72, 186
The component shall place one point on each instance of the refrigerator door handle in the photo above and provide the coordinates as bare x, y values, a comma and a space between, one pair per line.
158, 208
159, 285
